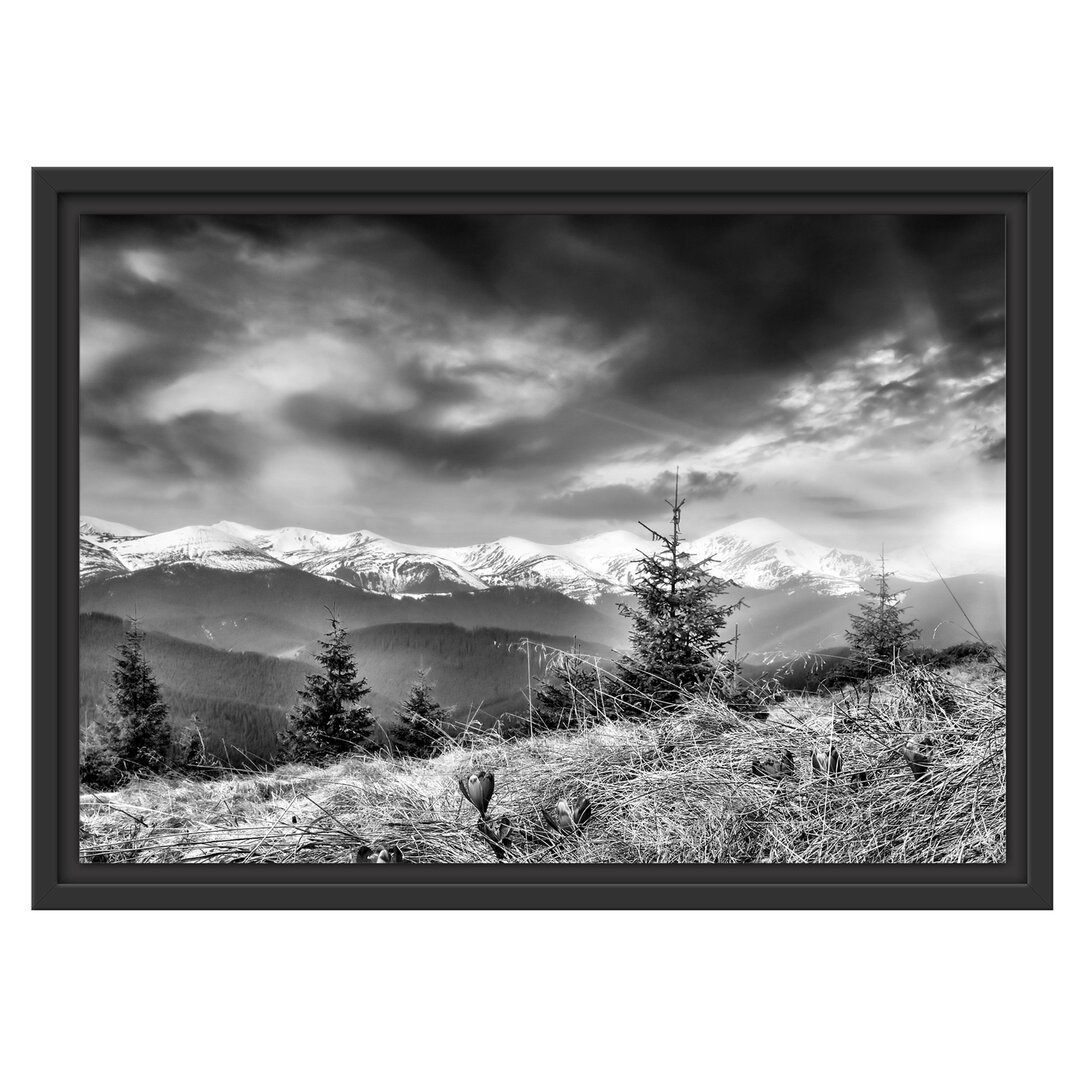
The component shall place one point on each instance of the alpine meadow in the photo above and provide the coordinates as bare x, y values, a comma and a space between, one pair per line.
539, 539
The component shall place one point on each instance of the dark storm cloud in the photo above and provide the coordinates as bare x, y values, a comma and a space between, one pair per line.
517, 445
176, 325
774, 293
722, 295
693, 483
609, 502
197, 444
567, 363
471, 246
710, 296
625, 502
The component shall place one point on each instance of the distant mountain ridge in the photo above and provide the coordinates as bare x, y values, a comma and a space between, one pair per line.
757, 553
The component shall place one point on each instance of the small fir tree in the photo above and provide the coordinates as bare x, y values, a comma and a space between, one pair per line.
329, 720
97, 765
676, 635
137, 734
421, 721
190, 751
567, 695
879, 635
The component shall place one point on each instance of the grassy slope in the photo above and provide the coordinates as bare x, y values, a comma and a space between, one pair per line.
677, 789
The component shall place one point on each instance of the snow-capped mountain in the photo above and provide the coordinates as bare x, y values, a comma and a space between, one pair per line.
291, 544
195, 544
99, 529
379, 565
760, 554
96, 561
757, 554
585, 570
363, 559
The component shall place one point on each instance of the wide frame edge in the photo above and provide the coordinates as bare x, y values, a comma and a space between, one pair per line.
50, 185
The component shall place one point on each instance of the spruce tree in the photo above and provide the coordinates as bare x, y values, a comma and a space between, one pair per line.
566, 696
137, 730
329, 720
191, 749
675, 639
421, 721
879, 635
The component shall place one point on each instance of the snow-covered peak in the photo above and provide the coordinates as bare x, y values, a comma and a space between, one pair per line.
757, 532
95, 526
235, 528
606, 546
593, 552
760, 553
96, 561
199, 544
291, 539
757, 553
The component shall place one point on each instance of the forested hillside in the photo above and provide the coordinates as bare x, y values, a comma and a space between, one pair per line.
280, 611
468, 670
241, 698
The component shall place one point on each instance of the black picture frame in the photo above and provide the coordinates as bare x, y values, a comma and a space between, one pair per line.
60, 195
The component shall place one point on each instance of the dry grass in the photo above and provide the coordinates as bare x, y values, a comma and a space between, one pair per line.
676, 789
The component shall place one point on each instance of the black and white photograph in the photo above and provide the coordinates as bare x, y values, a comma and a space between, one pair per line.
542, 539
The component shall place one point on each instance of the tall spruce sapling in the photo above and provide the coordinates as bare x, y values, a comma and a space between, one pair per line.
676, 641
879, 635
329, 720
566, 696
421, 721
137, 734
191, 746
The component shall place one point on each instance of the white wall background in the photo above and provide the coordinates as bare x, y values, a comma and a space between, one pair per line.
559, 83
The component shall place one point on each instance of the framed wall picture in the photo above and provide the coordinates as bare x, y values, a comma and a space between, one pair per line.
542, 538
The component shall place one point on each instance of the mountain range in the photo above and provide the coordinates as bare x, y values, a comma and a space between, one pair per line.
756, 554
233, 613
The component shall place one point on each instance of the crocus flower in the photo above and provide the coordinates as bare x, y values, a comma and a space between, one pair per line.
498, 836
919, 762
774, 768
381, 855
769, 768
478, 789
826, 764
572, 814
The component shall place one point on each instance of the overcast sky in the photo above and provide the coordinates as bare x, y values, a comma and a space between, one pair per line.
446, 380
